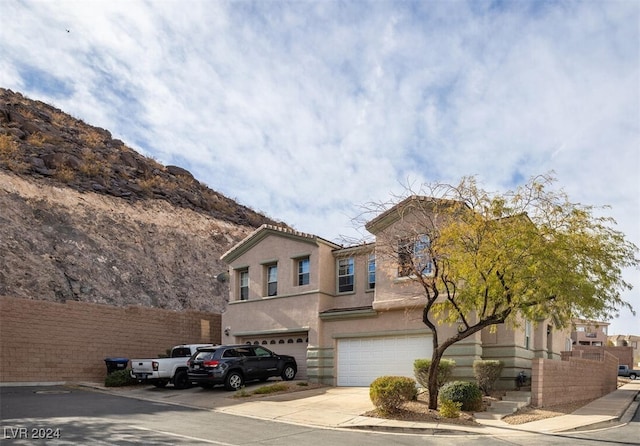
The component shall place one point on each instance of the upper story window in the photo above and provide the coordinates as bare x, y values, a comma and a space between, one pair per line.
303, 271
243, 284
413, 255
371, 272
345, 275
272, 280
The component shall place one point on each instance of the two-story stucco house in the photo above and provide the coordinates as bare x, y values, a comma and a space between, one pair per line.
593, 333
346, 321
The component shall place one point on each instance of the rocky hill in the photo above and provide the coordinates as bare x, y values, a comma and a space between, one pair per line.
84, 217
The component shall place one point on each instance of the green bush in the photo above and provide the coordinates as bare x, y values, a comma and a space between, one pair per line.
449, 409
388, 393
119, 378
445, 371
487, 373
467, 393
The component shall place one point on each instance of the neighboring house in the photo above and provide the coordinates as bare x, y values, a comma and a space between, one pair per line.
632, 341
349, 316
592, 333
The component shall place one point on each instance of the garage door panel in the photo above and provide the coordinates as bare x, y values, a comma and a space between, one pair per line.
362, 360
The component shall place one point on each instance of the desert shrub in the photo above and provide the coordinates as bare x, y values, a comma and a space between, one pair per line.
273, 388
487, 373
65, 174
36, 139
92, 164
445, 371
467, 393
92, 138
449, 409
388, 393
11, 155
119, 378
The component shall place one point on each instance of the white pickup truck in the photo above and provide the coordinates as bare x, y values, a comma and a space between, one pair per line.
162, 371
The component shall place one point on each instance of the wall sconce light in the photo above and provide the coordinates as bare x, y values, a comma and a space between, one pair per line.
227, 330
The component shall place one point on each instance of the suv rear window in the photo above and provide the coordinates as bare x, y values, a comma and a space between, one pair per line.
205, 355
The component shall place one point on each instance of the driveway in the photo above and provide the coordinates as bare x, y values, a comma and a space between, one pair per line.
217, 398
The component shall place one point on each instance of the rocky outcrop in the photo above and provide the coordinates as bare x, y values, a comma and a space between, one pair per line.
83, 217
47, 145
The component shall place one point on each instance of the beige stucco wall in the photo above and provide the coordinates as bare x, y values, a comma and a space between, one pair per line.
507, 343
284, 251
272, 315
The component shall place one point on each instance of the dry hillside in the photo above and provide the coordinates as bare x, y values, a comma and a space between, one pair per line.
84, 217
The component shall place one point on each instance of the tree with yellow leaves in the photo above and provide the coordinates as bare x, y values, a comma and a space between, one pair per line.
485, 258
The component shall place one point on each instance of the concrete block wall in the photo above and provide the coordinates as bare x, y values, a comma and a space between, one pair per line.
44, 341
624, 354
558, 382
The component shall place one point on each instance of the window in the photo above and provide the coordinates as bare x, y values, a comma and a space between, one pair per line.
263, 352
243, 284
414, 255
371, 272
345, 275
303, 271
272, 280
527, 335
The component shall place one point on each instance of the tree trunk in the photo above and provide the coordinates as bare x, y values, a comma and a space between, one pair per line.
433, 380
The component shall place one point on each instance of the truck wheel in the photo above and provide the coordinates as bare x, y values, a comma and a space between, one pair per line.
288, 373
181, 380
160, 383
234, 381
632, 376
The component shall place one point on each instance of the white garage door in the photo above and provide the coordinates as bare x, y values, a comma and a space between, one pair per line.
293, 345
361, 360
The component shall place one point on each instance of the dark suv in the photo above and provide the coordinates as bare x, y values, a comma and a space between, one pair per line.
233, 365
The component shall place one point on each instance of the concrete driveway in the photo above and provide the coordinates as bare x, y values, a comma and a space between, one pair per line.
217, 398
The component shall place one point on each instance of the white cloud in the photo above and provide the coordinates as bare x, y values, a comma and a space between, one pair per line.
305, 110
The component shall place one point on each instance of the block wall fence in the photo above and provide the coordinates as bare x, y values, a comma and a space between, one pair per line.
574, 379
624, 354
44, 341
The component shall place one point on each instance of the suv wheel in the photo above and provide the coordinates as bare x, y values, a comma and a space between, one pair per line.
288, 373
234, 381
181, 380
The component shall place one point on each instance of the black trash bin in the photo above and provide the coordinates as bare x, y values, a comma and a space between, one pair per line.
115, 364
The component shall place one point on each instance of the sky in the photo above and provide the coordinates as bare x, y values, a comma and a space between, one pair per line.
308, 110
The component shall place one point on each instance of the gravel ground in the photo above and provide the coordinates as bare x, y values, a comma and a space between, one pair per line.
529, 413
419, 411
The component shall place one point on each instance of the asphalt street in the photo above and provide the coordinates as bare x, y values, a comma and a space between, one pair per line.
68, 415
